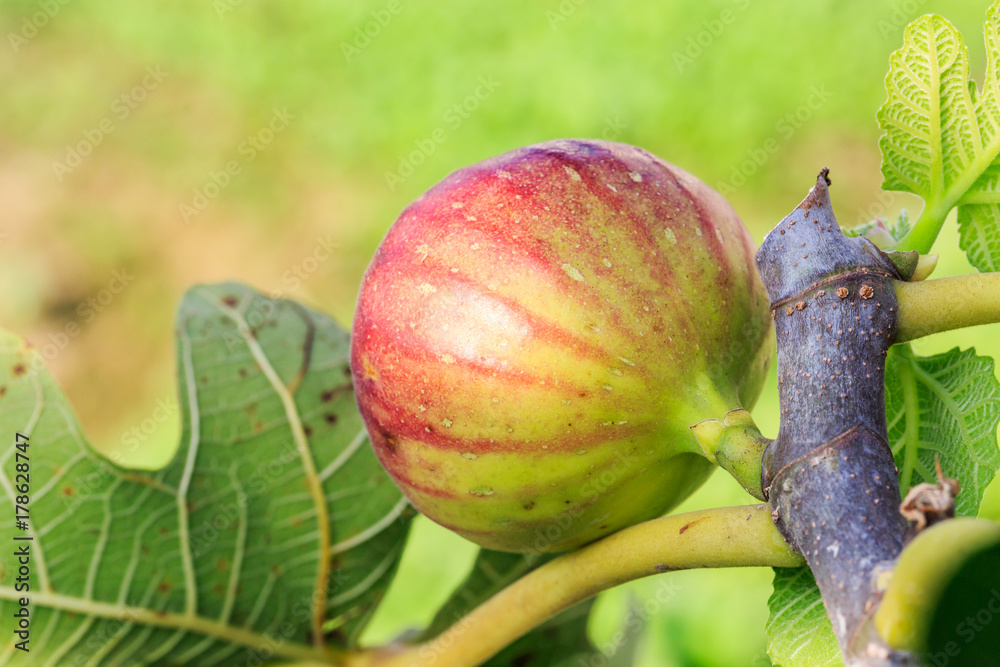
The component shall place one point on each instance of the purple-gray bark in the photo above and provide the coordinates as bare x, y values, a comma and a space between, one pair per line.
829, 476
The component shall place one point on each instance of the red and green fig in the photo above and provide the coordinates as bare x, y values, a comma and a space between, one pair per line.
538, 332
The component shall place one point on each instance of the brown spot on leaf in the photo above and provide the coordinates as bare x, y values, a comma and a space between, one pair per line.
164, 587
330, 418
68, 491
230, 300
18, 369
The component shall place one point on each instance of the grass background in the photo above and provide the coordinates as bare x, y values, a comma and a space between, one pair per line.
705, 85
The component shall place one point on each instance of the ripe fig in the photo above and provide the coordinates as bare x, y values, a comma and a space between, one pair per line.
537, 333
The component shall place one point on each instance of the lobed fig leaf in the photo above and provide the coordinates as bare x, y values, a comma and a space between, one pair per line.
536, 334
946, 406
799, 633
942, 135
271, 534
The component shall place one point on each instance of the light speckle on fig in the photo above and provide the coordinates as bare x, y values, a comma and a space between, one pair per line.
573, 272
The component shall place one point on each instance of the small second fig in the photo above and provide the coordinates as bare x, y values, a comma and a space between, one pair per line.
538, 332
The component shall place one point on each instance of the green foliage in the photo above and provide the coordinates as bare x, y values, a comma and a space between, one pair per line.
945, 406
798, 629
942, 135
273, 503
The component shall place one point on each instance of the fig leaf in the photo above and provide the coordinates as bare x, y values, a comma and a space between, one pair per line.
273, 517
942, 135
944, 406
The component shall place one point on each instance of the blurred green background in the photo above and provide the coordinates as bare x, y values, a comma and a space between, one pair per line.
275, 142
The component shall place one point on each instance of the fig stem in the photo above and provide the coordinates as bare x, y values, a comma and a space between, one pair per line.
932, 306
722, 537
736, 446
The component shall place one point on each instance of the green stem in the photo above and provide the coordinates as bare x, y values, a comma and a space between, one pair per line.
722, 537
931, 306
736, 446
923, 570
926, 229
912, 417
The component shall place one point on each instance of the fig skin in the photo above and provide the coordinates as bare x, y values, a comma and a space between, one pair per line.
537, 333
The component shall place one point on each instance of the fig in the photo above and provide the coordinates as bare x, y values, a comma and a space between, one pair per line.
537, 334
